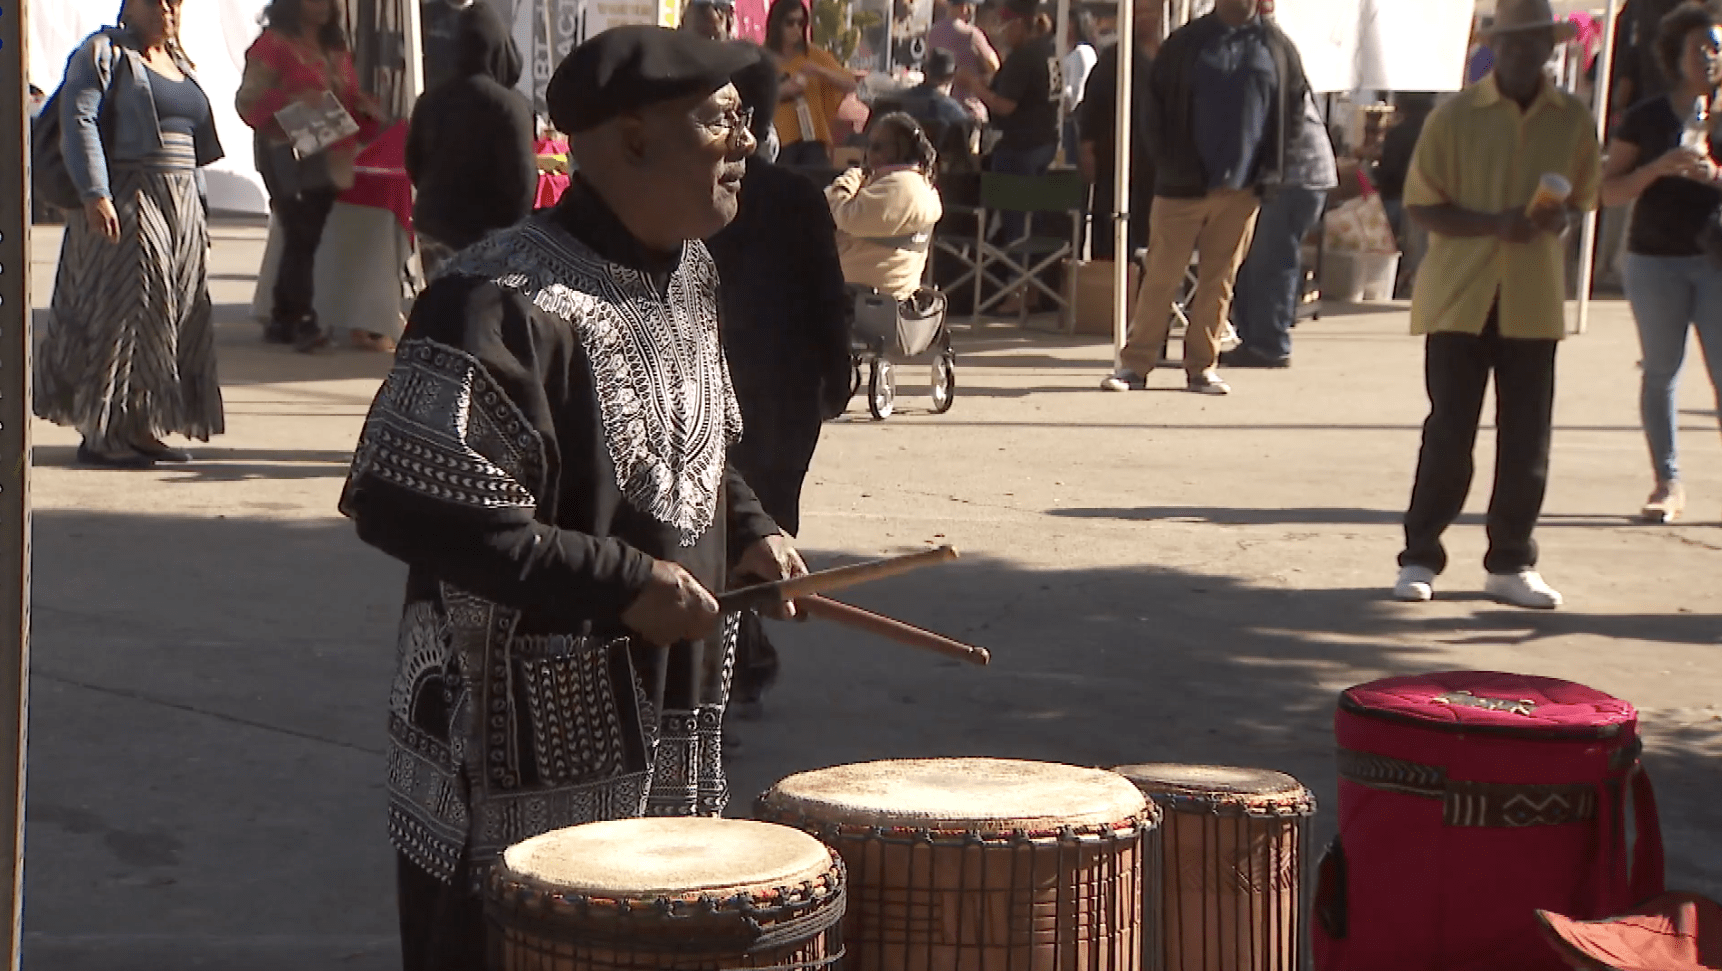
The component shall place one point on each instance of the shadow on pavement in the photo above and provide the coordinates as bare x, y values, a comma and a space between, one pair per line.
209, 695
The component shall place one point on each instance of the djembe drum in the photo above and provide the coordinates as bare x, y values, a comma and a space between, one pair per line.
979, 864
1233, 846
682, 894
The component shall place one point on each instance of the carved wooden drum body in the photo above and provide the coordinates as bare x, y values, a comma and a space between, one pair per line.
682, 894
979, 864
1233, 846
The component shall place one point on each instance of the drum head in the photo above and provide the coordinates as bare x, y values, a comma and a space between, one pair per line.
652, 858
969, 795
1214, 783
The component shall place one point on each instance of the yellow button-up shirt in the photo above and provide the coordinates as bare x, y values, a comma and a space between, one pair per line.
1481, 151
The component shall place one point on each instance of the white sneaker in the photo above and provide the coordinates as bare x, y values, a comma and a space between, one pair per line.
1522, 589
1416, 584
1124, 379
1207, 382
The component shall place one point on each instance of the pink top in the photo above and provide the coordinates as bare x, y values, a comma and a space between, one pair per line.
299, 69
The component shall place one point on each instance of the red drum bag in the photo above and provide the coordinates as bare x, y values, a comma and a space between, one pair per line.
1468, 801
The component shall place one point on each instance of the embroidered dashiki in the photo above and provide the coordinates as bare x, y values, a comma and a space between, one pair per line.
558, 415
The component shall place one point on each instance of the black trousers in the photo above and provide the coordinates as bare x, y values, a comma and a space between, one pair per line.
1456, 371
301, 220
442, 925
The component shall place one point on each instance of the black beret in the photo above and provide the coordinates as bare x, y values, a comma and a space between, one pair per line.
627, 68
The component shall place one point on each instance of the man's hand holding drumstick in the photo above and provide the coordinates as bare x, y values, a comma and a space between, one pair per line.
675, 607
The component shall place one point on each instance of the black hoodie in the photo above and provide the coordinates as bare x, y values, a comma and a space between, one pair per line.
469, 150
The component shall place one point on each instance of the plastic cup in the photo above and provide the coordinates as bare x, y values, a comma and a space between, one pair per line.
1552, 190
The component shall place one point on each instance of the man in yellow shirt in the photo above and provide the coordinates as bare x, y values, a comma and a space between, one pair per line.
1490, 297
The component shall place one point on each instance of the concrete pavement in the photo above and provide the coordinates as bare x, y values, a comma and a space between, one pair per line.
1161, 576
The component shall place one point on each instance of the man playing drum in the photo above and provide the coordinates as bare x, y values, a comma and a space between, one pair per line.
548, 456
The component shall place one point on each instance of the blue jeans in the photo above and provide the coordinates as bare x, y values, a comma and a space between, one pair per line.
1021, 161
1671, 295
1271, 280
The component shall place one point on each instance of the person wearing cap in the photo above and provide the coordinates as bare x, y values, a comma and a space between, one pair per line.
954, 132
549, 456
1225, 108
786, 335
712, 19
1490, 298
977, 61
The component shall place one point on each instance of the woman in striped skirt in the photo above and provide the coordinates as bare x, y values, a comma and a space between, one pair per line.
129, 351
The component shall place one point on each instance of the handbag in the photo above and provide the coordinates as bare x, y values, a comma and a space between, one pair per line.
50, 180
287, 174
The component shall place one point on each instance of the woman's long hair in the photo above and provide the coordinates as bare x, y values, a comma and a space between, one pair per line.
284, 16
774, 25
175, 50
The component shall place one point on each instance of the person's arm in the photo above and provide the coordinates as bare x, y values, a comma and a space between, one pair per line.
476, 524
985, 56
745, 516
1008, 88
416, 151
874, 210
260, 93
87, 76
823, 64
1626, 175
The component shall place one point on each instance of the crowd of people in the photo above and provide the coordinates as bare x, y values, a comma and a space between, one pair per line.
558, 453
1232, 163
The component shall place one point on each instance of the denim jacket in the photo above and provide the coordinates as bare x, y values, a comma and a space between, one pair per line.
129, 122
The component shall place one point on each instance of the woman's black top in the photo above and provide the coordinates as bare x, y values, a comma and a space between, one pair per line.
1670, 213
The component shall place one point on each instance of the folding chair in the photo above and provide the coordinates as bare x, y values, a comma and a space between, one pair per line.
954, 236
1019, 263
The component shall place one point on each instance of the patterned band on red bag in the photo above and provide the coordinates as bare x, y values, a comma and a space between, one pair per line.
1479, 804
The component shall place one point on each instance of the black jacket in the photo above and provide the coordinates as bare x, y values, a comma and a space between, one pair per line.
1097, 117
785, 316
469, 150
1179, 173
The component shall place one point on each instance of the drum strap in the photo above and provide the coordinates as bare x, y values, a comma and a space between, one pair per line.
1478, 804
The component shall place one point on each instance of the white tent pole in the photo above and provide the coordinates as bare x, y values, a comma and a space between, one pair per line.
1121, 254
1604, 91
414, 78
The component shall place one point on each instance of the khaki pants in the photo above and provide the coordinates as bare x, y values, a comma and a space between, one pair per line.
1218, 226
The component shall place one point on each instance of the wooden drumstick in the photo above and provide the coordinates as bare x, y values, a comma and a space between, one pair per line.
826, 581
891, 628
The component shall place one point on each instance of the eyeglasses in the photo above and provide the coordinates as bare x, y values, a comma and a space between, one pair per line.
728, 125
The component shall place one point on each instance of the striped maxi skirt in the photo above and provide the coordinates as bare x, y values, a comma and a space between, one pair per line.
128, 353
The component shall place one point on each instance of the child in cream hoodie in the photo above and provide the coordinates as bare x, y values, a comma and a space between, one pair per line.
885, 215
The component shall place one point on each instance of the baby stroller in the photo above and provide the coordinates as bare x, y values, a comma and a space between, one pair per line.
886, 332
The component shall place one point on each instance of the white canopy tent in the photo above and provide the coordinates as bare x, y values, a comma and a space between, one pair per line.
215, 34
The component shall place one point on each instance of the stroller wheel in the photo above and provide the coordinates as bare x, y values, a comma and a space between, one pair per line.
944, 383
881, 389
